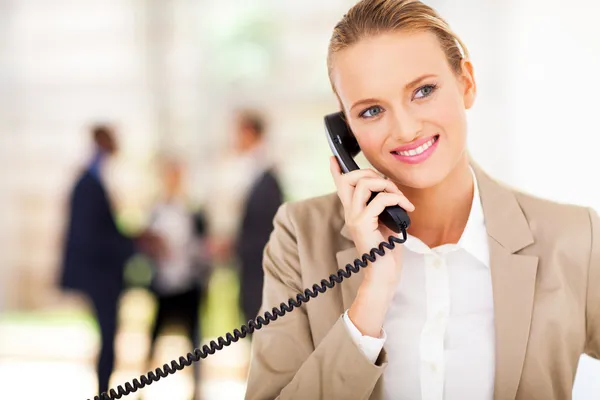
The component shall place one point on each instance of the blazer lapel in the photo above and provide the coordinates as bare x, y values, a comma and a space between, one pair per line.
513, 280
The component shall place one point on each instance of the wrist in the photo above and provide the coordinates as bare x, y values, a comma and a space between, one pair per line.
369, 308
377, 285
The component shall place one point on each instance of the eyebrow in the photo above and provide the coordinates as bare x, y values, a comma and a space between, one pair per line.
409, 85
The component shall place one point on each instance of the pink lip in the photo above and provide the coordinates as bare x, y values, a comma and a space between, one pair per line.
414, 145
417, 158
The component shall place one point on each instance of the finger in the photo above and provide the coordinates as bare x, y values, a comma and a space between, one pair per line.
344, 191
353, 177
383, 200
363, 192
349, 181
365, 189
346, 183
334, 167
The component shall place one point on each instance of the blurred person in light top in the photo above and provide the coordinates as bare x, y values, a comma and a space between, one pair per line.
183, 271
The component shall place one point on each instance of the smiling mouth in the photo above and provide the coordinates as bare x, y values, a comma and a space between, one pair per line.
419, 150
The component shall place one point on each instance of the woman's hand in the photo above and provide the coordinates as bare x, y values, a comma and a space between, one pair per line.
381, 278
354, 190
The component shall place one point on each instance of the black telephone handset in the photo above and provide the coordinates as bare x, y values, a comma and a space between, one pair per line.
344, 146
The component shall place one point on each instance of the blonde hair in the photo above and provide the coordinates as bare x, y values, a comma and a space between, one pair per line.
369, 18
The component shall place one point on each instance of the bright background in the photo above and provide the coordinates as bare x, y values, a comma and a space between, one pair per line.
170, 72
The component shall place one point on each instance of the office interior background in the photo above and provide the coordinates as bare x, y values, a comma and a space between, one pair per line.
169, 74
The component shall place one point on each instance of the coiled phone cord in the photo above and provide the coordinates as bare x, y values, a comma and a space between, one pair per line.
255, 324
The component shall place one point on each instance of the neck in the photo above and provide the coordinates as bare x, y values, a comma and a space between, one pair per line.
99, 156
441, 212
252, 146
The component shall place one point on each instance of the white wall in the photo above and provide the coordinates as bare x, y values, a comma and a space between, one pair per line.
535, 121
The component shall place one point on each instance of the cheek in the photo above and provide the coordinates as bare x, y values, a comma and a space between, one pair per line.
372, 141
449, 115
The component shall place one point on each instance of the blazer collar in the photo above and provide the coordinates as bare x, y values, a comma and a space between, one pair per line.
504, 219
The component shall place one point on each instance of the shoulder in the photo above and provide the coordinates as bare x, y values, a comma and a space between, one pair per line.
545, 213
87, 183
315, 208
270, 174
322, 213
557, 224
303, 230
552, 225
268, 179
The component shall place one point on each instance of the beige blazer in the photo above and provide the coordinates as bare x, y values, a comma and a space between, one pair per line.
545, 265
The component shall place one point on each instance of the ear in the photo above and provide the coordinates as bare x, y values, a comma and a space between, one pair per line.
469, 85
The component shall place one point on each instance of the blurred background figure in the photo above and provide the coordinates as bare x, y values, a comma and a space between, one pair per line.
246, 198
95, 251
262, 199
182, 272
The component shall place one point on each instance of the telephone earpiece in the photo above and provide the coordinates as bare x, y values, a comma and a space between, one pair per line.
344, 146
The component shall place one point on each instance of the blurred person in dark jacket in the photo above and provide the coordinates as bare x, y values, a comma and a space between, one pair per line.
183, 270
262, 198
96, 252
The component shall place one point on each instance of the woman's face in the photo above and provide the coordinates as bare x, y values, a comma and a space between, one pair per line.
405, 105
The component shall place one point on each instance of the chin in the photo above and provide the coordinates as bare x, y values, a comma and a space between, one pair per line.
420, 181
421, 177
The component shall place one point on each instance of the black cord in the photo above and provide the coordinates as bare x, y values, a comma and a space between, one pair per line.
255, 324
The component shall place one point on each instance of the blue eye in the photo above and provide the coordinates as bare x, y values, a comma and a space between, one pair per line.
371, 112
425, 91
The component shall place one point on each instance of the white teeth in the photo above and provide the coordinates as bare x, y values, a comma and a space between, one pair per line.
418, 150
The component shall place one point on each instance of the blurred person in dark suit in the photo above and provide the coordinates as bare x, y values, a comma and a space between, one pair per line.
263, 197
183, 271
95, 251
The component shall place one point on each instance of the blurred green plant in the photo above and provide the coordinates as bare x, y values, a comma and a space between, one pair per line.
138, 271
220, 313
242, 41
54, 317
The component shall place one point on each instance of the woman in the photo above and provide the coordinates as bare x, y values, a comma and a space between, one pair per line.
494, 295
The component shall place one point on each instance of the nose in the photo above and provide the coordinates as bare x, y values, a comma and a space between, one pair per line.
406, 126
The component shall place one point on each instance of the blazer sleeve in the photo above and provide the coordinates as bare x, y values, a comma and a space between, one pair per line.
285, 362
592, 347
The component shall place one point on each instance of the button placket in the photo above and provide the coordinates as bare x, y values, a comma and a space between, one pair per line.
432, 336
